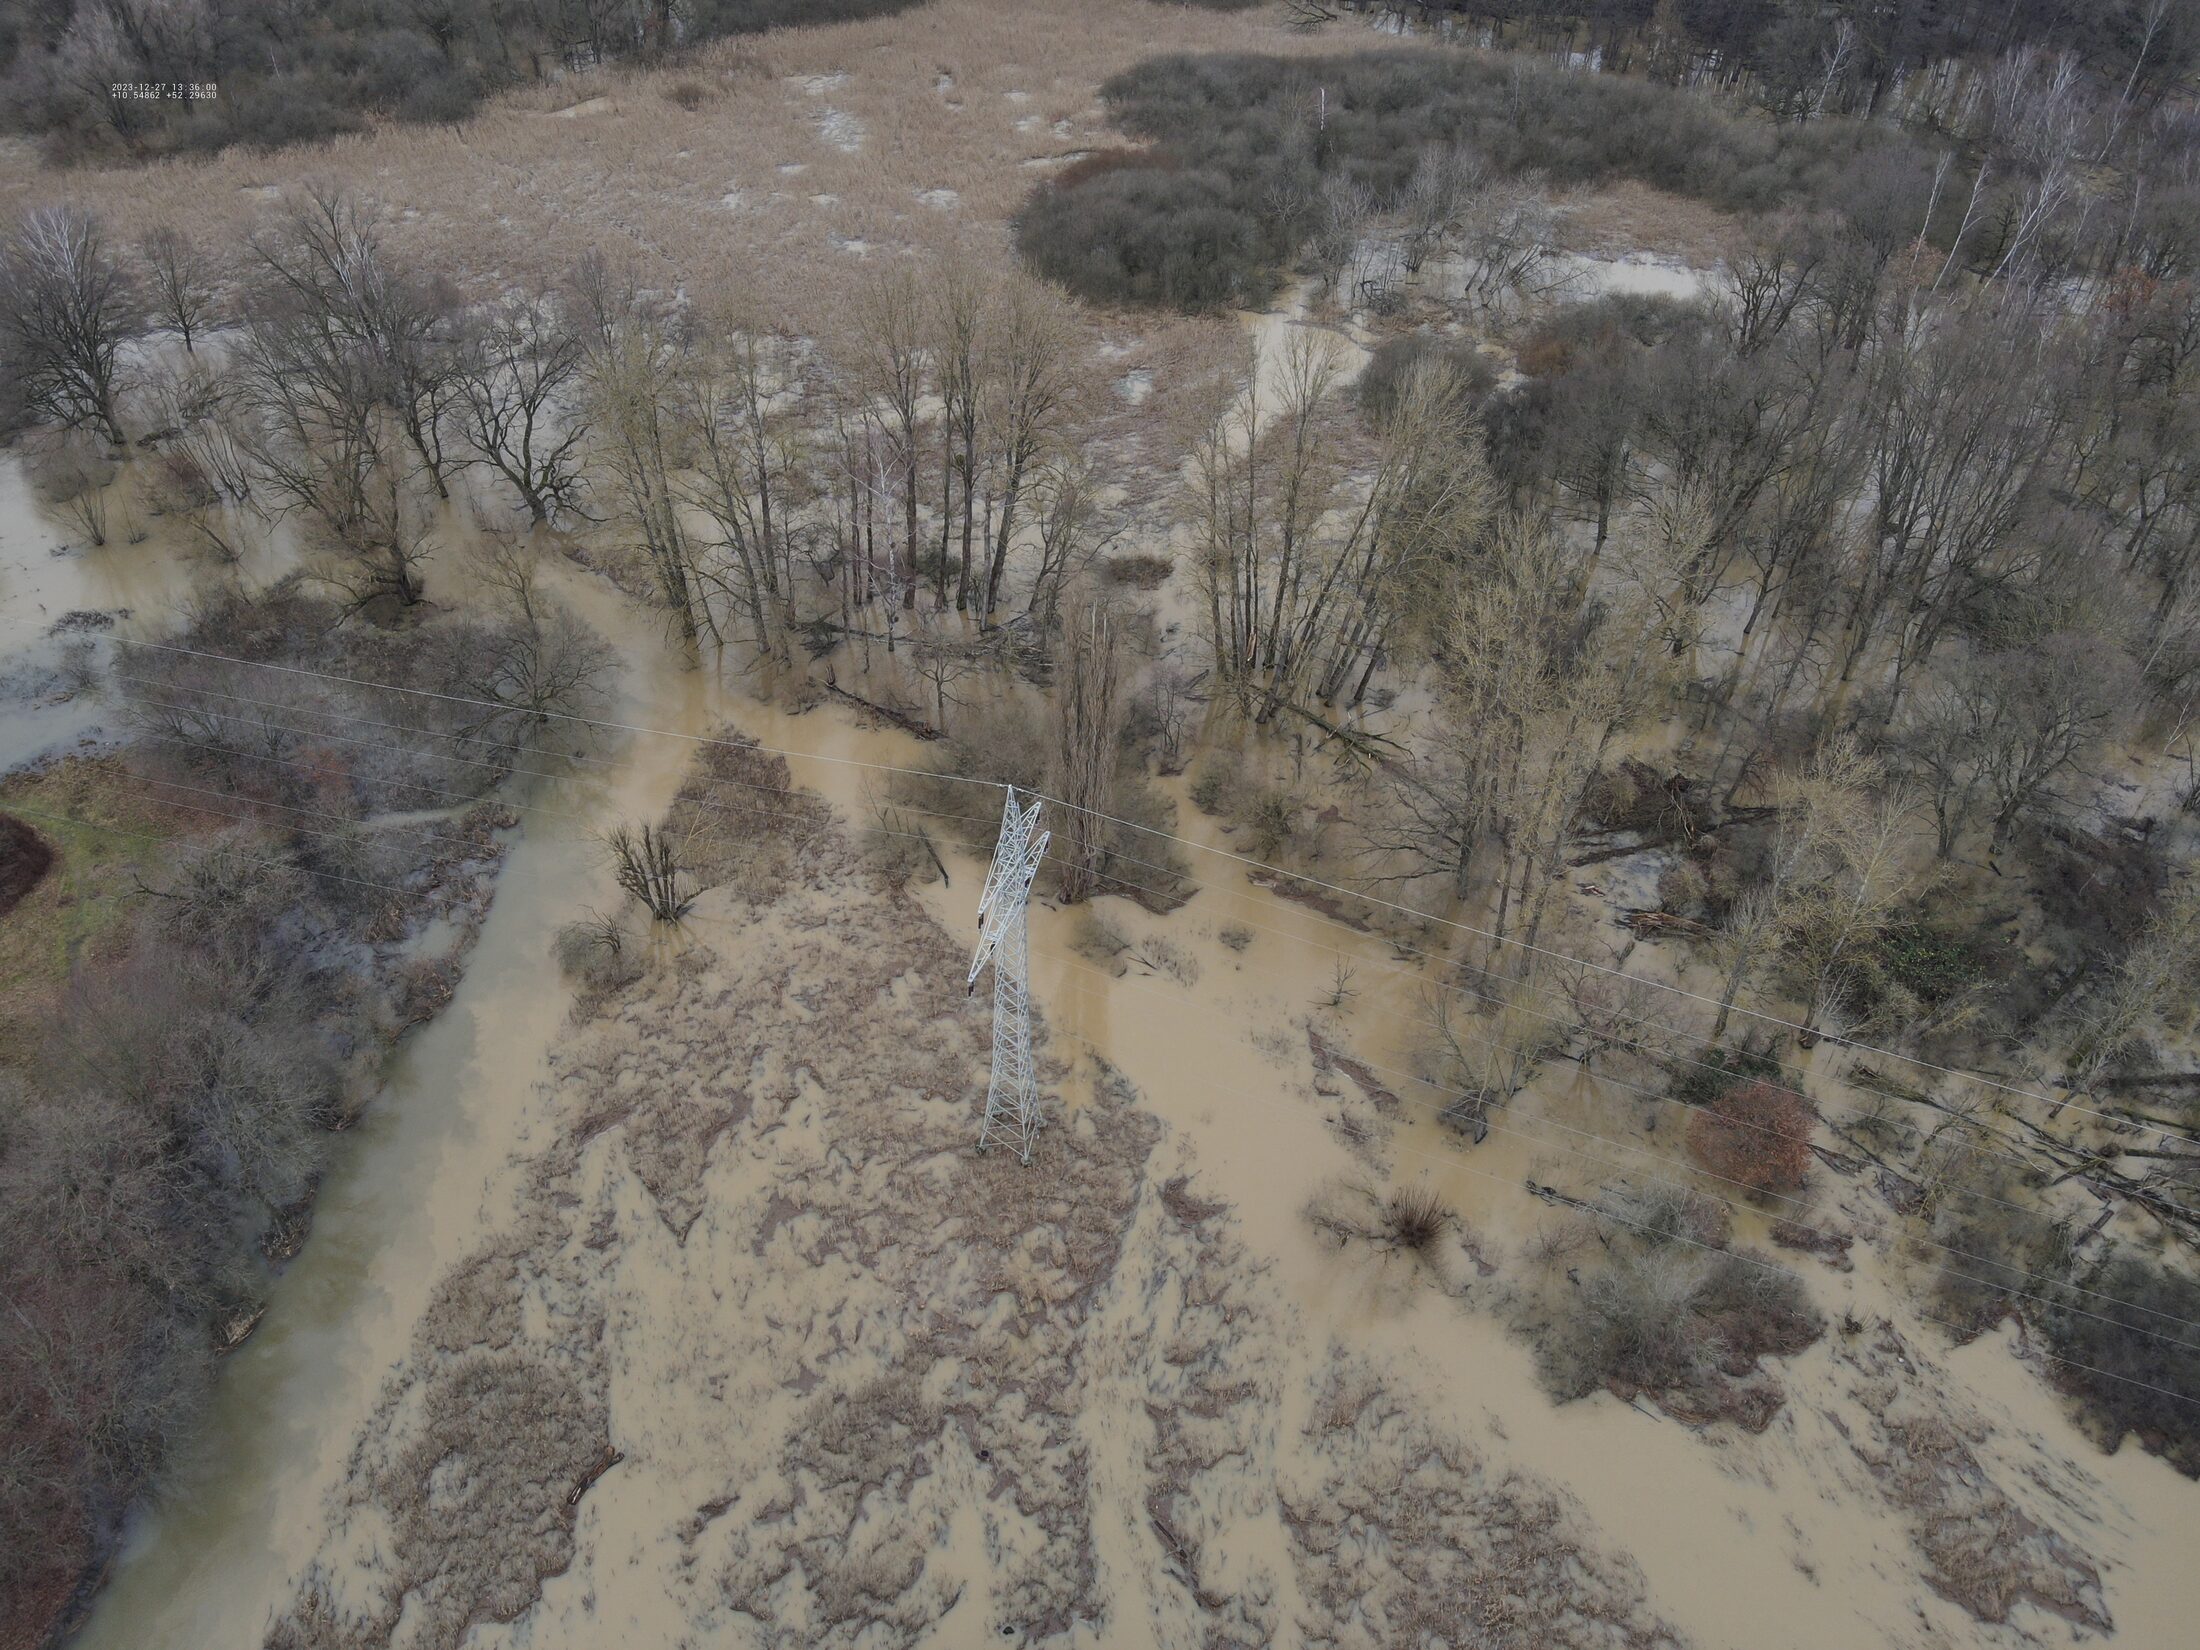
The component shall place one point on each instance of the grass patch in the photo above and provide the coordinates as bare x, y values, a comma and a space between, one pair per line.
103, 834
1715, 1071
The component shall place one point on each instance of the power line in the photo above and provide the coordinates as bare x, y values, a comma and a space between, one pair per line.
1009, 1015
1313, 882
780, 791
1573, 1023
1533, 1138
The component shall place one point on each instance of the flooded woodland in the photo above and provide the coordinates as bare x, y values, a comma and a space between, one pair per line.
1609, 657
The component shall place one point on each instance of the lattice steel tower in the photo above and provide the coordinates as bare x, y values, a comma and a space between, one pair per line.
1012, 1097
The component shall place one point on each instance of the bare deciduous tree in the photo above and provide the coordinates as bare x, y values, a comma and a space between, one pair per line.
894, 370
1823, 819
961, 317
740, 401
515, 373
66, 310
635, 348
648, 866
1028, 368
1088, 720
322, 260
315, 431
180, 283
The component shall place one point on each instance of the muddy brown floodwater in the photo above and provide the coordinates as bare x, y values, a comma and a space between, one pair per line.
1785, 1539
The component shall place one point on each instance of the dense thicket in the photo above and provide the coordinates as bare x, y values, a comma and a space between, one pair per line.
288, 73
1251, 154
1788, 46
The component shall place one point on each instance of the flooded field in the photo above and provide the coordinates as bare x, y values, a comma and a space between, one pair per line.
1219, 1066
660, 1297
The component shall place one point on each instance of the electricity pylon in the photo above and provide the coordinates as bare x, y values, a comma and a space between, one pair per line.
1012, 1097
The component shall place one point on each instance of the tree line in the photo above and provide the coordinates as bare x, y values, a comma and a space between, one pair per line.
1804, 57
282, 74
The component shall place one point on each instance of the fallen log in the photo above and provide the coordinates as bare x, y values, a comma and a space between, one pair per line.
604, 1463
886, 713
1658, 925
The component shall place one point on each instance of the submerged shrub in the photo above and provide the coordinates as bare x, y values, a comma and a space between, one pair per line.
2139, 1374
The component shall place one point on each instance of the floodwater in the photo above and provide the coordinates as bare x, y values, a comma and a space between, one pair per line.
1782, 1540
49, 572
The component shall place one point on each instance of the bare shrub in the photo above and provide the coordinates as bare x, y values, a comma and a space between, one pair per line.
1755, 1311
1671, 1312
1660, 1216
1633, 1330
1415, 1218
2126, 1375
74, 475
648, 866
597, 951
898, 847
1214, 783
1408, 1220
1139, 571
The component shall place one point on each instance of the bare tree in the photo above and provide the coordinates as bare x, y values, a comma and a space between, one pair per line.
2044, 707
540, 663
72, 472
1306, 567
200, 409
1067, 522
1088, 719
648, 865
66, 310
960, 319
2153, 980
322, 259
1965, 414
1832, 921
315, 432
635, 348
739, 405
515, 372
1029, 370
180, 280
1823, 818
893, 368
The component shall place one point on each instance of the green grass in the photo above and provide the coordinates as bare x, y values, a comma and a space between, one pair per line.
105, 835
1931, 966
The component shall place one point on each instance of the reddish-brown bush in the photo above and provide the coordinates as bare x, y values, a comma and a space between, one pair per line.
1756, 1136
